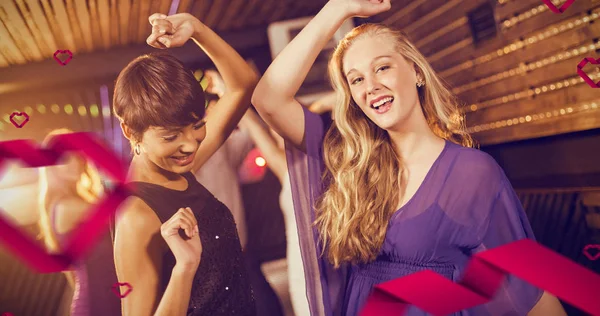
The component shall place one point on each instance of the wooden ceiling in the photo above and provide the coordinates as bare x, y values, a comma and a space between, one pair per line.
520, 84
32, 30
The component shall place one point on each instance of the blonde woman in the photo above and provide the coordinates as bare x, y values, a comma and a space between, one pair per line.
402, 189
67, 192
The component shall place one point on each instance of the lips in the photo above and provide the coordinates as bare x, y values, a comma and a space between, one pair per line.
379, 101
183, 160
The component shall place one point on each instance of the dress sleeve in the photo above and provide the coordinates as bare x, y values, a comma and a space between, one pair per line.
506, 222
324, 285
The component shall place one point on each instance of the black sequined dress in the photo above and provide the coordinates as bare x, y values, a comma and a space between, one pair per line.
221, 285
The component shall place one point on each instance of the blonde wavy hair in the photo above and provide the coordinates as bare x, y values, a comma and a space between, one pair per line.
88, 188
362, 167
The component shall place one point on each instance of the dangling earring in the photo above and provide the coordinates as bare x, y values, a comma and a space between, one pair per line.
420, 82
136, 149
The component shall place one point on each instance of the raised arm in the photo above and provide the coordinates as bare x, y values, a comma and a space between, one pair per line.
274, 94
240, 79
138, 253
263, 140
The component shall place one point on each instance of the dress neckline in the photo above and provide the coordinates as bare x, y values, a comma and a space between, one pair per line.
425, 180
184, 175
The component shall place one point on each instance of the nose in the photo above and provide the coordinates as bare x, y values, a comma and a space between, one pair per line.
189, 144
372, 84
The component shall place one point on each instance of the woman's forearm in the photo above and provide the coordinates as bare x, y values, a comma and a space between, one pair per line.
283, 78
237, 74
176, 298
263, 140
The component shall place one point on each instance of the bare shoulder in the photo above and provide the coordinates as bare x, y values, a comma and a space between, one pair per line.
137, 217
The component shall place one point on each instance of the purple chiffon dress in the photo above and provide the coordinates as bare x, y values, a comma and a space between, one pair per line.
464, 205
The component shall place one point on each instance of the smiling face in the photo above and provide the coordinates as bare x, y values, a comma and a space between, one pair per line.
381, 81
161, 107
173, 149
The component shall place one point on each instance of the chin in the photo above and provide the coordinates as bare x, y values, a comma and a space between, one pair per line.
181, 169
391, 123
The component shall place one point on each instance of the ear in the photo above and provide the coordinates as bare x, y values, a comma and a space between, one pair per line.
418, 74
126, 131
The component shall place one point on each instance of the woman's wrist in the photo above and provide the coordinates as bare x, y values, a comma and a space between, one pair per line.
185, 270
199, 28
339, 9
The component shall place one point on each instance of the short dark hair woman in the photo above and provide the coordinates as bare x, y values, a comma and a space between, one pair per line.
196, 267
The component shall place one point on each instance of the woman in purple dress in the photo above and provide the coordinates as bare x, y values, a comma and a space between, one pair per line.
402, 191
67, 192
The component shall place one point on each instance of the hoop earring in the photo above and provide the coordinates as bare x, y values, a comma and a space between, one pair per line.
420, 83
136, 149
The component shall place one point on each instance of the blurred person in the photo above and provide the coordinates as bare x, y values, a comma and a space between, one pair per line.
67, 192
219, 173
324, 103
272, 148
394, 186
175, 243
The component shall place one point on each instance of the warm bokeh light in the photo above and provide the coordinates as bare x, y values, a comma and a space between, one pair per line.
260, 161
82, 110
55, 108
41, 108
69, 109
94, 110
28, 110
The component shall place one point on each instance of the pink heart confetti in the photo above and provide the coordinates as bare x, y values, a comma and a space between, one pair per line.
525, 258
589, 249
60, 59
85, 236
562, 8
21, 123
116, 288
583, 75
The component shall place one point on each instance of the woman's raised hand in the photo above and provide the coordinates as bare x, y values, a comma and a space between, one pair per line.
363, 8
186, 246
173, 30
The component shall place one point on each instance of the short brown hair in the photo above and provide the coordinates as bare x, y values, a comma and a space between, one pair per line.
157, 90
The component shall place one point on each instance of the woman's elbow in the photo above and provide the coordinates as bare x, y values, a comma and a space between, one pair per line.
262, 97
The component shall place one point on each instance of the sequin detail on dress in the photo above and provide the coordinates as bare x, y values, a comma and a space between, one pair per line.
221, 285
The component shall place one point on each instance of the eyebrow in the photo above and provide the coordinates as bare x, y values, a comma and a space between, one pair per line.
374, 60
